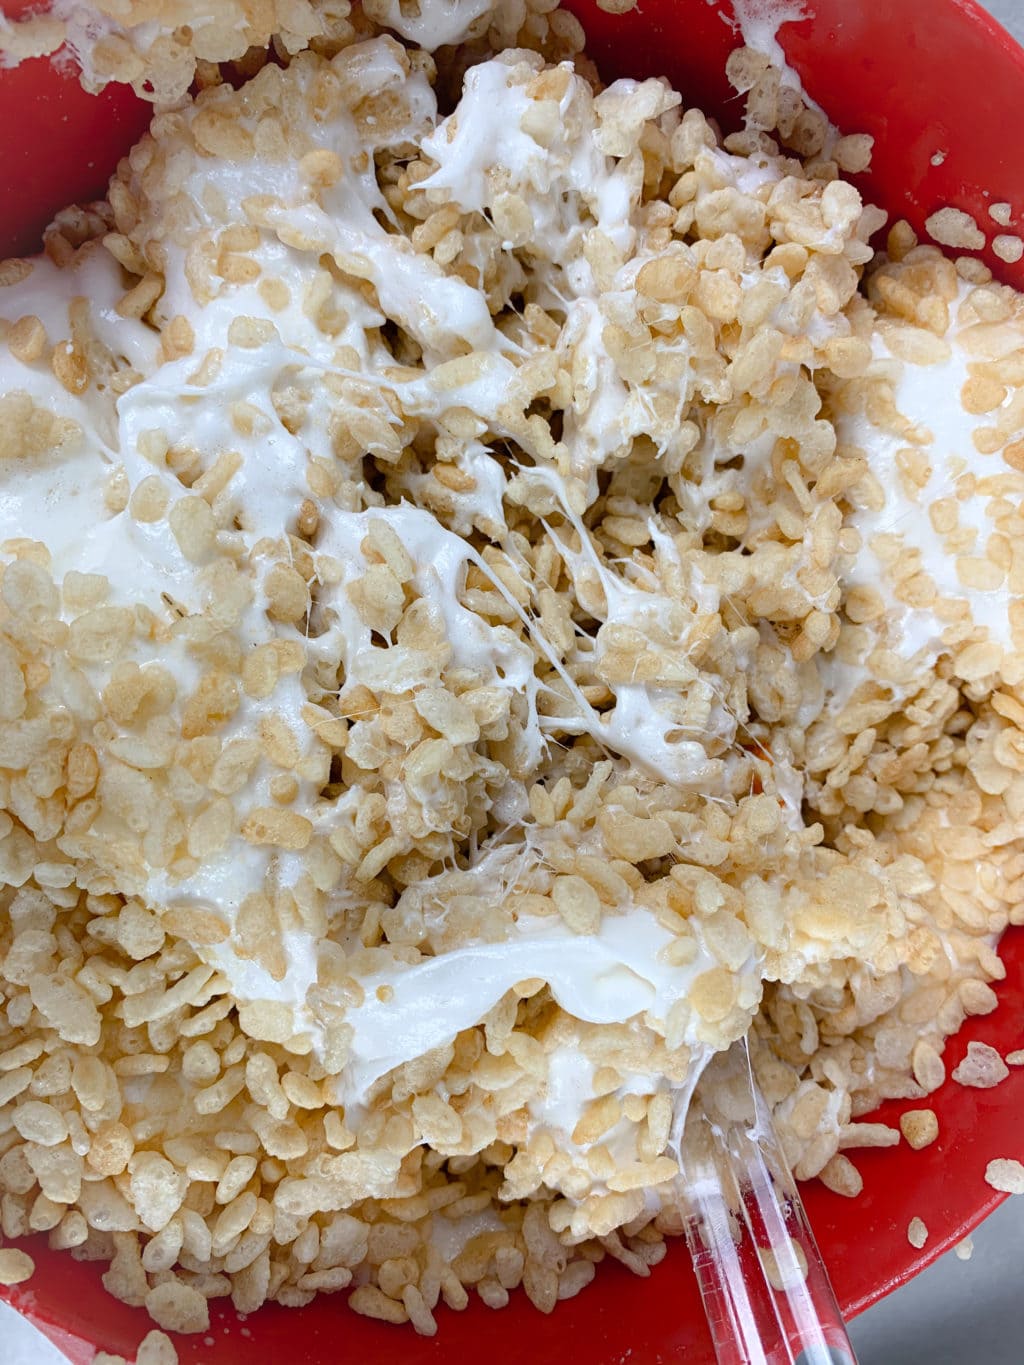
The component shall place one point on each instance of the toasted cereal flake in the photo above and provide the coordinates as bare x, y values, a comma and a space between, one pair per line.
971, 269
954, 227
157, 1189
156, 1348
929, 1068
853, 153
177, 1307
920, 1127
373, 1303
284, 829
39, 1122
917, 1233
982, 1068
840, 1175
787, 1269
577, 903
27, 339
419, 1314
15, 1266
1005, 1174
867, 1135
1008, 247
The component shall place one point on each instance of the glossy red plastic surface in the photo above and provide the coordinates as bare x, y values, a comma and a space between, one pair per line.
926, 77
58, 145
937, 83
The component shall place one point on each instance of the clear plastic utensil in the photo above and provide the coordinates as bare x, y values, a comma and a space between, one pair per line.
765, 1288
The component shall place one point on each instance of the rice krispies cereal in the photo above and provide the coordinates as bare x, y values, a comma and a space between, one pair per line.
476, 566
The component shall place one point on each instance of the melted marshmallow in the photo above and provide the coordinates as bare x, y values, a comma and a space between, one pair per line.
579, 200
431, 24
928, 398
611, 976
571, 189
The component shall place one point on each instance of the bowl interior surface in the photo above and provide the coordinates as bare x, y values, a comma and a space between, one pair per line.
909, 75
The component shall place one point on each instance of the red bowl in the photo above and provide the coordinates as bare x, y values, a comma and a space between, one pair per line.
911, 75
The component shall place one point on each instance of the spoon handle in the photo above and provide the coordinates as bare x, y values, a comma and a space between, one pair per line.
765, 1288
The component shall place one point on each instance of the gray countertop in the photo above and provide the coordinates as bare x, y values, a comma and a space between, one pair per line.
955, 1313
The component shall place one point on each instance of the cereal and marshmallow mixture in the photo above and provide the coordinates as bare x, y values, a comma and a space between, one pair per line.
502, 592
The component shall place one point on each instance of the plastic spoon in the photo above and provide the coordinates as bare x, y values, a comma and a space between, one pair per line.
765, 1289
